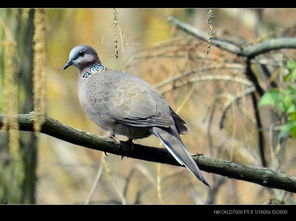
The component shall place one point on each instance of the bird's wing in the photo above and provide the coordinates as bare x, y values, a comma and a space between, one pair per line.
135, 103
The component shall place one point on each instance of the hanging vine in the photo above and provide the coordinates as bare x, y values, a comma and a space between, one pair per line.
10, 103
39, 61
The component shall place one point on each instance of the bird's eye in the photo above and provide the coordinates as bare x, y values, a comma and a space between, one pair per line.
81, 53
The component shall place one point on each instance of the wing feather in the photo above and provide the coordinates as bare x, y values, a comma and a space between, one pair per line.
135, 103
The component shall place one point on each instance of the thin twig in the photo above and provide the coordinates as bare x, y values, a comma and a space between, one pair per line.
143, 170
149, 186
219, 181
207, 69
232, 100
210, 78
95, 183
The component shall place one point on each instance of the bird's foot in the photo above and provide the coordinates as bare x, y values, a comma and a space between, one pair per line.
110, 134
126, 146
116, 140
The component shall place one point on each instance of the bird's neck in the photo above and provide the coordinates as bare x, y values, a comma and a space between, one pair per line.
97, 67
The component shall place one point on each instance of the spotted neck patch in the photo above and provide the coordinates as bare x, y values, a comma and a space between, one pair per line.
93, 69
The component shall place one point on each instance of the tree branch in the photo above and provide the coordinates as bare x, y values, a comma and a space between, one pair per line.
248, 51
252, 77
223, 44
269, 45
263, 176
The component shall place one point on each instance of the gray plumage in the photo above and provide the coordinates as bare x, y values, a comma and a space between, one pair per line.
126, 105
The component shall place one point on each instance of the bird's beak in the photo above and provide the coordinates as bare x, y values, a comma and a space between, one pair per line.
68, 64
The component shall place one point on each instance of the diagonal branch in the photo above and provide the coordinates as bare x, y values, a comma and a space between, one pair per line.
220, 43
263, 176
248, 51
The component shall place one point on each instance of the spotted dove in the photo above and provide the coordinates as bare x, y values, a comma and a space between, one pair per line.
127, 105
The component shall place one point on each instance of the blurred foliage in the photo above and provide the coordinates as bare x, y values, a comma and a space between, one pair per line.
150, 48
285, 101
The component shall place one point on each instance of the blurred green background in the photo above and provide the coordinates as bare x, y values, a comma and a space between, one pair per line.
150, 48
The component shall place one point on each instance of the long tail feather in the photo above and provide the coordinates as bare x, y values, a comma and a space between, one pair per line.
175, 146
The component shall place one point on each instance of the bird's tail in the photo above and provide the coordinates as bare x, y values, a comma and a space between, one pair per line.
175, 146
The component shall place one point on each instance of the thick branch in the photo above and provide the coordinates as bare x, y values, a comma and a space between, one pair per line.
269, 45
249, 51
262, 176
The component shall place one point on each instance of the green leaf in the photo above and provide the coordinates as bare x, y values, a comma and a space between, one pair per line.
288, 77
291, 65
271, 97
287, 102
293, 132
288, 128
291, 75
292, 110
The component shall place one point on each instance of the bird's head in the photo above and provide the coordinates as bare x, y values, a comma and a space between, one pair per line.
82, 56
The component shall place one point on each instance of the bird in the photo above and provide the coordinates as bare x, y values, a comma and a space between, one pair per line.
123, 104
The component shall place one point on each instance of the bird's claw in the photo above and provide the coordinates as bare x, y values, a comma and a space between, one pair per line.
111, 135
116, 140
198, 154
130, 143
121, 145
